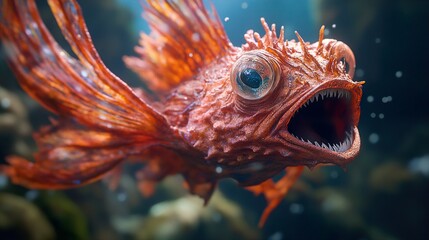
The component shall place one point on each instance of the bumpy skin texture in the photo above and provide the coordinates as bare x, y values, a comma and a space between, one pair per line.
197, 122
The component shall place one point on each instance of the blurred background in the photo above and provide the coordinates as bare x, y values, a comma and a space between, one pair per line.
384, 194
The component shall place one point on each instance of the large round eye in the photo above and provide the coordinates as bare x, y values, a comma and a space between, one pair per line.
253, 75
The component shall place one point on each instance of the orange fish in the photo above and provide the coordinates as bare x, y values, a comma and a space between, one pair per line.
214, 110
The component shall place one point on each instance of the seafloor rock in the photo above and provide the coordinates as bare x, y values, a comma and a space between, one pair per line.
21, 219
187, 218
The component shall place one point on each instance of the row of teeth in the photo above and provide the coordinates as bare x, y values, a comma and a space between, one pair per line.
339, 147
328, 93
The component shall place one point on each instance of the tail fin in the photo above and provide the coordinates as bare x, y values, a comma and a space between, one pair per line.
81, 90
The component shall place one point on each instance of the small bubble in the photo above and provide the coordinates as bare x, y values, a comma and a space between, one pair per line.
196, 37
370, 99
190, 55
3, 180
218, 169
359, 73
334, 174
5, 103
381, 115
334, 25
387, 99
121, 197
244, 5
373, 115
398, 74
378, 40
226, 19
276, 236
31, 195
216, 217
373, 138
327, 32
296, 208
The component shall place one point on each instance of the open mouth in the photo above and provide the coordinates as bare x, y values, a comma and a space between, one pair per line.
325, 120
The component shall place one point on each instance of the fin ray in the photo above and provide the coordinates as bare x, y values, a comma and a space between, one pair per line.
184, 37
82, 88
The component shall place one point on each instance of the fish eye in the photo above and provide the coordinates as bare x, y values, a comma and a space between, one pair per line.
253, 76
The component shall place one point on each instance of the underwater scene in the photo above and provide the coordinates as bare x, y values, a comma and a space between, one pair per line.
183, 124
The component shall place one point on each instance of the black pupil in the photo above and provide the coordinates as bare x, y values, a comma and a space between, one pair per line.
251, 78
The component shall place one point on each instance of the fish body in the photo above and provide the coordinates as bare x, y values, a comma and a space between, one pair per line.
214, 110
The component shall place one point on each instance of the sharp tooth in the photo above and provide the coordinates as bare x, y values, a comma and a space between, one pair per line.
340, 94
324, 145
312, 99
316, 143
337, 147
317, 97
309, 141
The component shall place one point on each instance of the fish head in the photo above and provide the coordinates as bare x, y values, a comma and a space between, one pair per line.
276, 103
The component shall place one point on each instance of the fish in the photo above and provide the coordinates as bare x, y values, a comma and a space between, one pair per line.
211, 110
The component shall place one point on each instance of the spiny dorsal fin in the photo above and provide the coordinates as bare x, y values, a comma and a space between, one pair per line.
184, 37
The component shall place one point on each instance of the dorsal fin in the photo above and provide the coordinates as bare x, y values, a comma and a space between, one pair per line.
184, 37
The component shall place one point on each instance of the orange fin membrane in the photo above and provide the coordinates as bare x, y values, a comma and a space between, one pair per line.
70, 157
274, 192
184, 37
83, 90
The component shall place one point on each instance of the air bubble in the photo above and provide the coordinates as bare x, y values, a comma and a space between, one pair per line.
3, 181
370, 99
374, 138
398, 74
334, 25
216, 217
226, 19
387, 99
121, 197
381, 115
296, 208
218, 169
359, 73
327, 32
334, 174
373, 115
378, 40
276, 236
244, 5
31, 195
